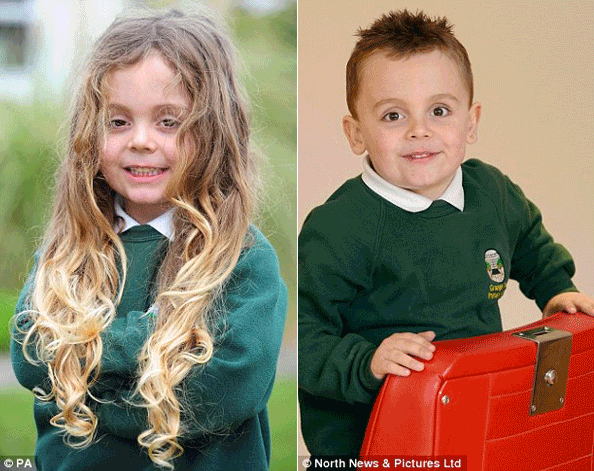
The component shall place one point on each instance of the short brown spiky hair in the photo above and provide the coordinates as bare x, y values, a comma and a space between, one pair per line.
402, 34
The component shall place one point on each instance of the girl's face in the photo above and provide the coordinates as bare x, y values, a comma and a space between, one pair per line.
146, 108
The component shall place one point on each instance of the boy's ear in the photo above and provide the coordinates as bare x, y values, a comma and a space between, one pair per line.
352, 131
474, 114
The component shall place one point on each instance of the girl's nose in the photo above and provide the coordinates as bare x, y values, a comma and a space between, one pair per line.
142, 139
418, 129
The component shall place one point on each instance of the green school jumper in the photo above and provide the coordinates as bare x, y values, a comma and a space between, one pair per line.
368, 269
228, 396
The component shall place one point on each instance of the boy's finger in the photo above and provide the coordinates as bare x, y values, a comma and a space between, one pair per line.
570, 308
428, 335
408, 362
406, 341
419, 349
398, 370
424, 339
586, 308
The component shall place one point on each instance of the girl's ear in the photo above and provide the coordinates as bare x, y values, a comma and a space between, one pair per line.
352, 131
474, 114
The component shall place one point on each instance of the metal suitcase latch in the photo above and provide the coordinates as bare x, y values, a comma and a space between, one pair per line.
551, 369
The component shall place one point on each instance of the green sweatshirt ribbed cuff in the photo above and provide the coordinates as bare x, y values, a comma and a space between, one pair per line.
367, 379
558, 283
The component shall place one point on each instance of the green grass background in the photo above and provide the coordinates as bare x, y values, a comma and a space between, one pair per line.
17, 430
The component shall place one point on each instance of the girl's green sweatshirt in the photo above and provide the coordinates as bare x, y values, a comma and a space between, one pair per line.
228, 429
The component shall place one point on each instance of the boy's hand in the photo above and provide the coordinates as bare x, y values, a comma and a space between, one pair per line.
394, 355
570, 303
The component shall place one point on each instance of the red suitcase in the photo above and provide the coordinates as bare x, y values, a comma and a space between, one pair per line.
481, 398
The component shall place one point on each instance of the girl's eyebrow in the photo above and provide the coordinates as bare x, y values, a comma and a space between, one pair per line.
172, 108
179, 111
115, 107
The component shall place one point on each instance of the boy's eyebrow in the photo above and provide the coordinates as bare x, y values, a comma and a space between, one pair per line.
439, 96
445, 96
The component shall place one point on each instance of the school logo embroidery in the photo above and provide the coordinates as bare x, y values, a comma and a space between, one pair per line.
494, 266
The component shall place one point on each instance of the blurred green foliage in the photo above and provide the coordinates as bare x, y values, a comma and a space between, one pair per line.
268, 47
7, 302
27, 164
31, 137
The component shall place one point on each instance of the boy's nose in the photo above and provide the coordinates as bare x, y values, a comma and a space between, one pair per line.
418, 130
142, 139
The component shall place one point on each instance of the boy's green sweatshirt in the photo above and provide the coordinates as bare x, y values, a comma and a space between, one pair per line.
228, 397
368, 269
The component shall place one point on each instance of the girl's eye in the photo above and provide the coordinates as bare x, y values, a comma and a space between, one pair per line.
392, 116
170, 123
440, 111
117, 123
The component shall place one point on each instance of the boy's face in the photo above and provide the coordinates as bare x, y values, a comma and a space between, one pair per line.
413, 120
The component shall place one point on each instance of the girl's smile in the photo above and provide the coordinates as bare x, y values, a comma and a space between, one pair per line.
146, 108
143, 172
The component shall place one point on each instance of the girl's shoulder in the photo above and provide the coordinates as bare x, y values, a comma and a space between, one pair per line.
258, 254
257, 241
256, 275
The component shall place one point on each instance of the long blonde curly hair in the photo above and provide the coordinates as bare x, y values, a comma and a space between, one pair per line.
77, 286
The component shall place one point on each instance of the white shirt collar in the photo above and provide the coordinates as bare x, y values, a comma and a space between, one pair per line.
162, 224
408, 200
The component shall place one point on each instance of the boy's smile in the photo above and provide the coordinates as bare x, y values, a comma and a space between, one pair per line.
146, 108
413, 120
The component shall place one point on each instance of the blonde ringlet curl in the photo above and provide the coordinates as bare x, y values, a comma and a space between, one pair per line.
213, 189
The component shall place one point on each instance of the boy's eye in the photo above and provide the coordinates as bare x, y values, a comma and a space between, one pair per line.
393, 116
440, 111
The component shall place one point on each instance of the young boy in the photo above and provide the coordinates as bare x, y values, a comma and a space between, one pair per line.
420, 246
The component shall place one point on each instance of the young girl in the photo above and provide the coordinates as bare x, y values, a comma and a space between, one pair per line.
150, 328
